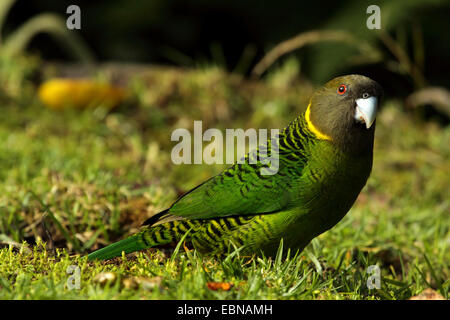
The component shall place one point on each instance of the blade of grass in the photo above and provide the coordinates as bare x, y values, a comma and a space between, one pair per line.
177, 248
72, 240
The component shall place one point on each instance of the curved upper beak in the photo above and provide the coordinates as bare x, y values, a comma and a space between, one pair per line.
366, 110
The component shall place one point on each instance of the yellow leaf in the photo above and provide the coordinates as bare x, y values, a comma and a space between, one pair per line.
61, 93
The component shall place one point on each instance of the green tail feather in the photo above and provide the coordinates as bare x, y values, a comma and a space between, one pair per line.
128, 245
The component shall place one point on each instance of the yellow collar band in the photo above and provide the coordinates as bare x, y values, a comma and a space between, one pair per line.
311, 126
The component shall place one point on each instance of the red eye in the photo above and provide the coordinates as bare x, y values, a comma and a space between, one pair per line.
342, 89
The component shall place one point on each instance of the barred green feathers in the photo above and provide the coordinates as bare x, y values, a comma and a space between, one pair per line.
324, 162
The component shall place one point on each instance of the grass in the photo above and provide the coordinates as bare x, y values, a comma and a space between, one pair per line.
74, 181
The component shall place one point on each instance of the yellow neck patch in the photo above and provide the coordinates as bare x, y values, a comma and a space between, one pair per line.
311, 126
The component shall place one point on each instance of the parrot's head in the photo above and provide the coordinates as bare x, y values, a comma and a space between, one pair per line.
343, 111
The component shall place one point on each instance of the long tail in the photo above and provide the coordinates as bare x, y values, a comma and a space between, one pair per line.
208, 237
142, 240
128, 245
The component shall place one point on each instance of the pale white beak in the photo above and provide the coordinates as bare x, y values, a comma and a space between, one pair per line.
366, 110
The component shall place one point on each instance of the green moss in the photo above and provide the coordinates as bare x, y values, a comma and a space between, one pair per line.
94, 177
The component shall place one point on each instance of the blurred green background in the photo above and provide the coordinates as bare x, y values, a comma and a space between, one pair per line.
237, 34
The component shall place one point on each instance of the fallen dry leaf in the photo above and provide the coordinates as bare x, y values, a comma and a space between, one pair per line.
428, 294
225, 286
145, 283
59, 93
105, 277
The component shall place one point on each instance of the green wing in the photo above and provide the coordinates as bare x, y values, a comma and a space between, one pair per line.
242, 189
238, 190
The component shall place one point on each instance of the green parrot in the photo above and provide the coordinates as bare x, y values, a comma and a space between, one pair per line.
325, 158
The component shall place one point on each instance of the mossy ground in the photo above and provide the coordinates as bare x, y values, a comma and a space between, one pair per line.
88, 178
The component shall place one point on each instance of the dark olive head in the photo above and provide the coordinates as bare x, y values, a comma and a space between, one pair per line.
344, 111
